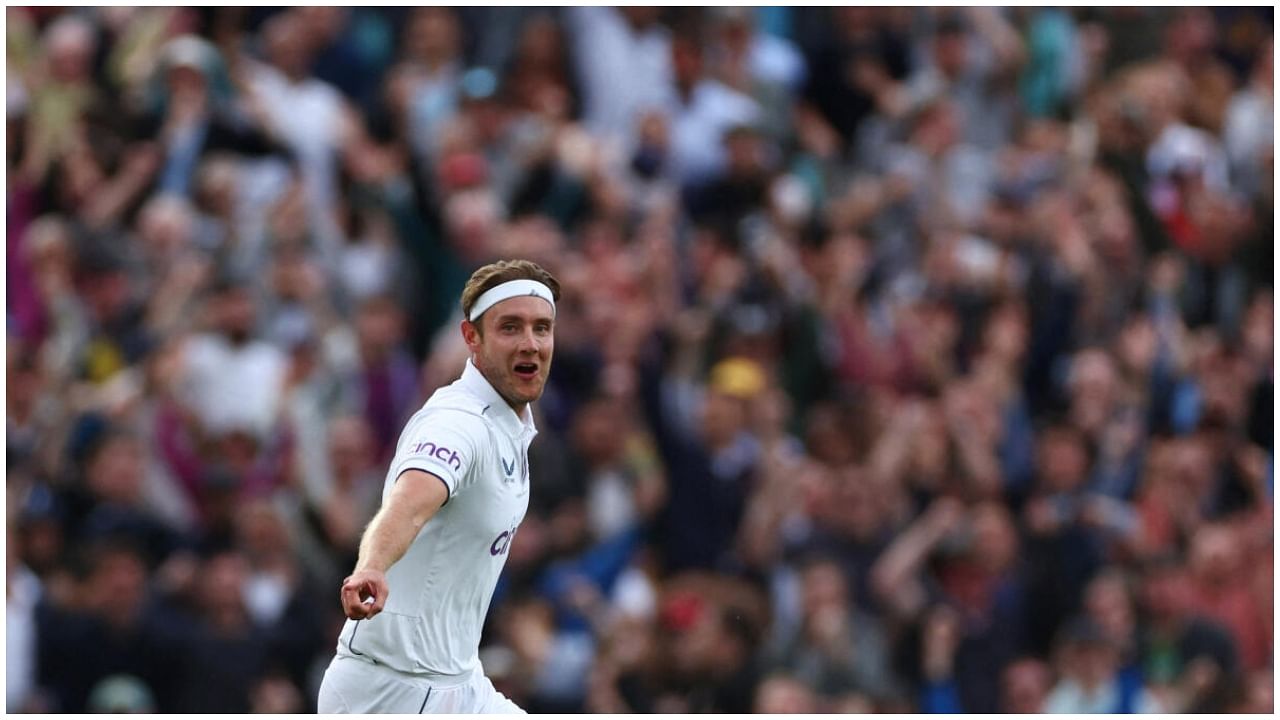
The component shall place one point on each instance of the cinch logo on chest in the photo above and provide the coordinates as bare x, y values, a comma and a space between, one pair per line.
502, 543
439, 452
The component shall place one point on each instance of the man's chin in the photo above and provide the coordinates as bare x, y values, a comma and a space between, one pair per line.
520, 394
532, 395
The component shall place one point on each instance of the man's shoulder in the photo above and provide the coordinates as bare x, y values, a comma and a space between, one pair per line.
455, 406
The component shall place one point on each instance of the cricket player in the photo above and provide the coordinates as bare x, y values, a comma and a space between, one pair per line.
452, 503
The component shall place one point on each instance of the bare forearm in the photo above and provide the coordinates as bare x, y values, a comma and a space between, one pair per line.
387, 538
892, 573
891, 455
902, 558
978, 458
1002, 36
413, 501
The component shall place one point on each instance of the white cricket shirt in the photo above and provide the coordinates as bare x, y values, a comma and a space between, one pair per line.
470, 438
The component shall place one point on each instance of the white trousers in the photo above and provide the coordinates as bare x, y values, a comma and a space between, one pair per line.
351, 685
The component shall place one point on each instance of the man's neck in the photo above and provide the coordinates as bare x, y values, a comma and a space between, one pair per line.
518, 408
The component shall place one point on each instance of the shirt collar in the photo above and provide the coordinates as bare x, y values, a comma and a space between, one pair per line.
474, 382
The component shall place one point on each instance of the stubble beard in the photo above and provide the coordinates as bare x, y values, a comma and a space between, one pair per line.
506, 383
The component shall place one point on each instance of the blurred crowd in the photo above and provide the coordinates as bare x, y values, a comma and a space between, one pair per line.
908, 360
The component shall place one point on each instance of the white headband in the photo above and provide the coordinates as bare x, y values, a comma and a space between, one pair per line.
508, 290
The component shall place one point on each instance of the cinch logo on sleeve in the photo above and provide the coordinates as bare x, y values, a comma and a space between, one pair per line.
439, 452
502, 543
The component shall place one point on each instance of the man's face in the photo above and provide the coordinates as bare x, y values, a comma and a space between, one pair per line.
514, 351
723, 416
1165, 592
119, 580
235, 314
1026, 683
116, 470
1062, 461
1098, 662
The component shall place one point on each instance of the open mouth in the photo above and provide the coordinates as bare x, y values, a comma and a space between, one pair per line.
526, 371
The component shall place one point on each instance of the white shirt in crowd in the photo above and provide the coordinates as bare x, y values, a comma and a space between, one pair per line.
698, 128
624, 73
234, 387
308, 116
24, 593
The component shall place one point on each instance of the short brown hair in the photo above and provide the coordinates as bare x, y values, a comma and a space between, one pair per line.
494, 274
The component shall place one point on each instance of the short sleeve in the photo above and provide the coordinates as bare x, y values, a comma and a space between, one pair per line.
442, 443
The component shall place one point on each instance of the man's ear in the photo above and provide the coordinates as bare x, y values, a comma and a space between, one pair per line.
471, 335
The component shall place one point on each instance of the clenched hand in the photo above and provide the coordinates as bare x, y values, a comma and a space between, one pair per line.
364, 594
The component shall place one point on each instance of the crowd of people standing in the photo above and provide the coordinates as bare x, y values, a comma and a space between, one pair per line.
908, 359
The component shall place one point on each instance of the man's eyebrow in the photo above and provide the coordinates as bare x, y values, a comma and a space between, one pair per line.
510, 317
